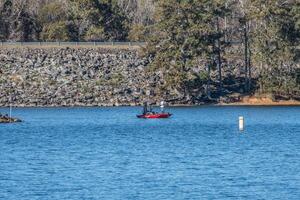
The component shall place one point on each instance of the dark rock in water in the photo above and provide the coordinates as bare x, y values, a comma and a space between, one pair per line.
5, 119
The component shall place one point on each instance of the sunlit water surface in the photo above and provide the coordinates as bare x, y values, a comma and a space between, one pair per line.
107, 153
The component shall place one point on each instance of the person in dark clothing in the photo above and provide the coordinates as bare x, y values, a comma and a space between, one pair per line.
145, 110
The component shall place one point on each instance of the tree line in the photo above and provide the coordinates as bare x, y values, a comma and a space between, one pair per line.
73, 20
211, 49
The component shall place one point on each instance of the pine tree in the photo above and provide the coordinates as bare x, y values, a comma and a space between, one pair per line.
98, 20
270, 37
188, 36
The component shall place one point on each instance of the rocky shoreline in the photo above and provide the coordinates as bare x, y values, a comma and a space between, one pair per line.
51, 77
91, 76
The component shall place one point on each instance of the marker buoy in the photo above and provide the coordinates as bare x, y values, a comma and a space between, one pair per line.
241, 123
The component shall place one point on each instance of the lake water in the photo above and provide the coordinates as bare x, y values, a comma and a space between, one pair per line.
107, 153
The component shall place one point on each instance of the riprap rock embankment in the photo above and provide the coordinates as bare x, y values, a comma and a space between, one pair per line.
72, 77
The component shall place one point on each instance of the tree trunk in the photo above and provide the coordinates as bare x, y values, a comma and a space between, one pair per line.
246, 59
249, 69
208, 82
219, 63
225, 24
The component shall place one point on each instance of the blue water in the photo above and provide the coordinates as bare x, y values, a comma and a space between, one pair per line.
107, 153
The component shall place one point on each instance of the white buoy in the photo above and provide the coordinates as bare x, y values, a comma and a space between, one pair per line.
241, 123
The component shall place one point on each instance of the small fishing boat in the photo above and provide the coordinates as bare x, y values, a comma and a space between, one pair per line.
155, 115
148, 113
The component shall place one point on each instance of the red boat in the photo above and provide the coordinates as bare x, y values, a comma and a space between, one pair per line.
155, 115
149, 114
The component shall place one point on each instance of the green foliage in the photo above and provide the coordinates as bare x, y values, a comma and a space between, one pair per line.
95, 33
79, 19
52, 12
57, 31
204, 76
274, 44
283, 82
137, 33
98, 20
186, 35
274, 38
